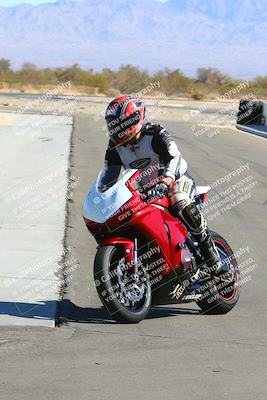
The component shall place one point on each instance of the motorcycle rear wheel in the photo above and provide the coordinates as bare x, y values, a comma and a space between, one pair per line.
221, 297
113, 294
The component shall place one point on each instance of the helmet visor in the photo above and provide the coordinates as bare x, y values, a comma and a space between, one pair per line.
121, 130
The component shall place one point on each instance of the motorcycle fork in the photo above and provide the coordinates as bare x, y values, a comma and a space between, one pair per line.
135, 266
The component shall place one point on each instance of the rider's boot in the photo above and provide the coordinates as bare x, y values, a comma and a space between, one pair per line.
209, 253
196, 223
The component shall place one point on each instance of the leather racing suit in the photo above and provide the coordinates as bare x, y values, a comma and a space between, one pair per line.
156, 152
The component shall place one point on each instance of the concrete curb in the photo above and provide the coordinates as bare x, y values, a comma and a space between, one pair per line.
254, 131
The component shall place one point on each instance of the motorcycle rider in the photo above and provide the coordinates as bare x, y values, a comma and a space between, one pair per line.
137, 143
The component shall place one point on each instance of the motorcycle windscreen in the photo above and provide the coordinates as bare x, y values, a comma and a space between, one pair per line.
99, 207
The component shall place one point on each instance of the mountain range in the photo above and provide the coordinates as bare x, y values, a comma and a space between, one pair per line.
185, 34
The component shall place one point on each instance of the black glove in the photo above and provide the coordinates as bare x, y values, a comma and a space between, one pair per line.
159, 191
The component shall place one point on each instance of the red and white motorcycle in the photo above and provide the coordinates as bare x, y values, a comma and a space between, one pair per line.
147, 257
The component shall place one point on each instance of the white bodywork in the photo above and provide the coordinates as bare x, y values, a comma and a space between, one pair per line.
99, 207
201, 190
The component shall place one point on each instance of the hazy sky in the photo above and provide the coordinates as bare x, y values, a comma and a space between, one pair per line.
15, 2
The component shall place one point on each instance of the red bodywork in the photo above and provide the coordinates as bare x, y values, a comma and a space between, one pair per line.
151, 220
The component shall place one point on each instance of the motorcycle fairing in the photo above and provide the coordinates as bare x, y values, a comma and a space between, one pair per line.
157, 224
99, 207
152, 220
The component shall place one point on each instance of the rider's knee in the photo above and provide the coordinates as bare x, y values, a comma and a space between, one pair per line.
179, 201
193, 217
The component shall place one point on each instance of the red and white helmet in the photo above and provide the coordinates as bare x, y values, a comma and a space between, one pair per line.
125, 117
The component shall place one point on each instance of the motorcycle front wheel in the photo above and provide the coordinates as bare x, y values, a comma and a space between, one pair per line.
126, 296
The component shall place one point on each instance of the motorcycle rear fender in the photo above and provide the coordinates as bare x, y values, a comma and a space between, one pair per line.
125, 244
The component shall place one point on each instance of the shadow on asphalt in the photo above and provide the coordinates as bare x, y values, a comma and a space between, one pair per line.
43, 310
69, 312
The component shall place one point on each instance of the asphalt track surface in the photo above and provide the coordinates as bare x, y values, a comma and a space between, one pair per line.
176, 353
